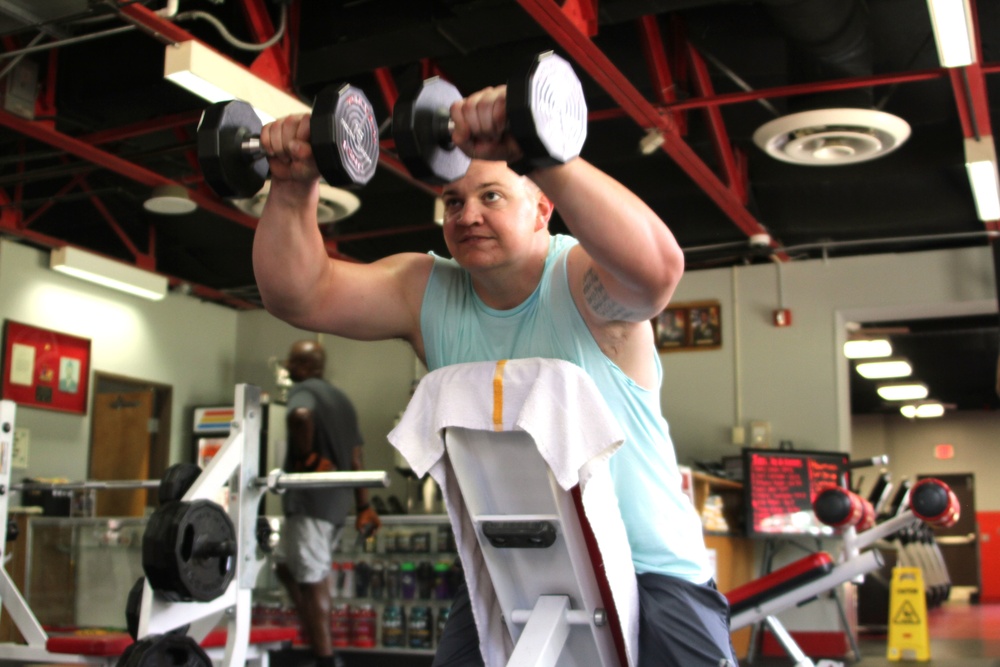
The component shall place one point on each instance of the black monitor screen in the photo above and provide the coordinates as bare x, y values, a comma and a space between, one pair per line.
779, 487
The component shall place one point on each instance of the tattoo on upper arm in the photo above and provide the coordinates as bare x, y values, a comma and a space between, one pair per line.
600, 302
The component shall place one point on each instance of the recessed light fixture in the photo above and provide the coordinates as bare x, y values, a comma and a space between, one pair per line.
868, 348
169, 200
885, 368
903, 391
922, 410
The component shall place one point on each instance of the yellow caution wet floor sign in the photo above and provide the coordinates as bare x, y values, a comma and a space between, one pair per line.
908, 635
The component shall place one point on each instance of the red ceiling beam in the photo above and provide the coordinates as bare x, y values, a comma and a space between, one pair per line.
548, 14
118, 165
720, 136
806, 88
158, 124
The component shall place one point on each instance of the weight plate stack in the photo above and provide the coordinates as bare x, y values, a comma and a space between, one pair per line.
169, 650
177, 479
189, 550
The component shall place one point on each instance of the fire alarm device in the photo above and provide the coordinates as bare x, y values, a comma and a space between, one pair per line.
783, 317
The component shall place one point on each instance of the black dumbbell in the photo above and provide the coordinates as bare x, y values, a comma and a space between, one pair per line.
546, 115
344, 139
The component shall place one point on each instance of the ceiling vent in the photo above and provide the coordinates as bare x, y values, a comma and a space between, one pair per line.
334, 203
832, 137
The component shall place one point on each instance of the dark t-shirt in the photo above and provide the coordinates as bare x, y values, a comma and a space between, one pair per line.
336, 435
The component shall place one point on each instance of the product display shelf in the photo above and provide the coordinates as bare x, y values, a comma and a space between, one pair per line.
390, 592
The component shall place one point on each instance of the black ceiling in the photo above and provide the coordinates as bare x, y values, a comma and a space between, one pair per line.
106, 127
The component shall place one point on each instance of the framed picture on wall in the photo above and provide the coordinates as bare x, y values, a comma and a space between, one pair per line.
45, 369
689, 326
671, 327
706, 327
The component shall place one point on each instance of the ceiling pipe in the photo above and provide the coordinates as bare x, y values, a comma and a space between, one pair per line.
827, 39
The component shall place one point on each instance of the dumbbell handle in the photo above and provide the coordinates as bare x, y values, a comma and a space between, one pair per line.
251, 148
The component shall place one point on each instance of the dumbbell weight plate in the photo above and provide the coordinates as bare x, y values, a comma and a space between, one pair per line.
171, 650
133, 609
344, 136
189, 550
176, 480
420, 130
547, 112
227, 168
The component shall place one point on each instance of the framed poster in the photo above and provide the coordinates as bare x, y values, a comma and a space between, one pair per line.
689, 326
671, 327
45, 369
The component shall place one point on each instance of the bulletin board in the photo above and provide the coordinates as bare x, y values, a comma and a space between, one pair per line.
45, 369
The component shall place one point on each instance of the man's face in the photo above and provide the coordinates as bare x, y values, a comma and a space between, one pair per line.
491, 215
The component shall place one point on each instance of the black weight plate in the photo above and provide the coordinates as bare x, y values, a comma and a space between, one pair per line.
344, 136
546, 111
420, 130
170, 650
177, 479
189, 550
133, 608
227, 169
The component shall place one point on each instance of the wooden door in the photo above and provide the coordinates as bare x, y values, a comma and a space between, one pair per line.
960, 544
120, 449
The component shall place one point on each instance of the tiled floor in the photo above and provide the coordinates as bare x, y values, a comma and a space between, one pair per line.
962, 635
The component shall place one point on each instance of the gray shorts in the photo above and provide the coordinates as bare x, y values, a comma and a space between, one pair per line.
306, 547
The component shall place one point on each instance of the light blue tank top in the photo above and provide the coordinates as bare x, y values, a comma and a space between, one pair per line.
663, 528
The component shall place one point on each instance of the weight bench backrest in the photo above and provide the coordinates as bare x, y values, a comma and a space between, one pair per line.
780, 581
509, 492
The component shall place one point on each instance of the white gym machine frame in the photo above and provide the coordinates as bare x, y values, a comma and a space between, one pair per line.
234, 468
857, 558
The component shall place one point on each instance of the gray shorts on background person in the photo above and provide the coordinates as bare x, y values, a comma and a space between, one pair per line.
313, 542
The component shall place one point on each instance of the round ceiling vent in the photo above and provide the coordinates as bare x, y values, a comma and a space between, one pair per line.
831, 137
334, 203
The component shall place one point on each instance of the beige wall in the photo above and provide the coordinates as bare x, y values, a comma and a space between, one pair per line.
180, 341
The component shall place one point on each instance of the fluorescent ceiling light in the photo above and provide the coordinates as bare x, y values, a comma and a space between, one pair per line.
86, 266
981, 164
952, 22
910, 391
922, 410
885, 368
212, 76
867, 348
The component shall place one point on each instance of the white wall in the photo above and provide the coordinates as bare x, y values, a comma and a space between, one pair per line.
910, 444
179, 341
795, 377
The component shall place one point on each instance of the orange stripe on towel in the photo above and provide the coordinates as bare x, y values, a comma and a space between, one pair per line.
498, 396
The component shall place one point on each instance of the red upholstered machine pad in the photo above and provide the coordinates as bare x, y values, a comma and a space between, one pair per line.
780, 581
114, 643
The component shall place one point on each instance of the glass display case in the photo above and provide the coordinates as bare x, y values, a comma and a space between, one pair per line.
390, 592
78, 571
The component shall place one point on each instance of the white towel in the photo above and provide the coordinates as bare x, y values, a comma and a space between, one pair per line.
560, 407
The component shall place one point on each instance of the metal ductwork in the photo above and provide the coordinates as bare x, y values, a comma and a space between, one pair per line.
828, 39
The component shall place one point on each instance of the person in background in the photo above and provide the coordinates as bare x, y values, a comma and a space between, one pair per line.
323, 436
513, 290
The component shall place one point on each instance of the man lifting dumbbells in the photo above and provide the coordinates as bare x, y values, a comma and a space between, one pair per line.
513, 290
